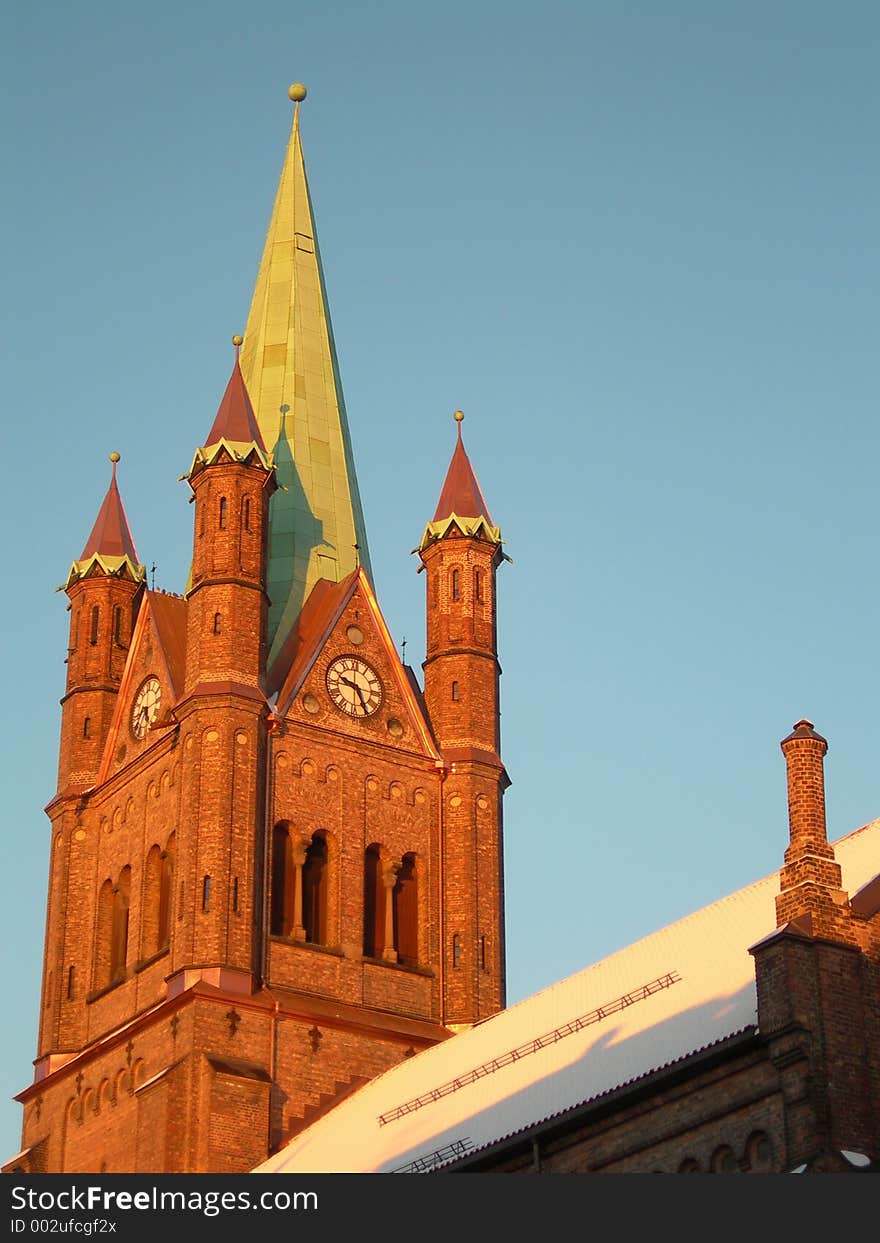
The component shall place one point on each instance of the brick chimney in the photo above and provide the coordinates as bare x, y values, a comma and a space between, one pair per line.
810, 881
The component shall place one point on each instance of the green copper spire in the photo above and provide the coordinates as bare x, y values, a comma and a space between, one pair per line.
316, 526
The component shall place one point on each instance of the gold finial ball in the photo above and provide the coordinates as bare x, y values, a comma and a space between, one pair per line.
297, 92
114, 457
237, 340
459, 416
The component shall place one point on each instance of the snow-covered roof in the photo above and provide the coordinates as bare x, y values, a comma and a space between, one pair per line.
669, 995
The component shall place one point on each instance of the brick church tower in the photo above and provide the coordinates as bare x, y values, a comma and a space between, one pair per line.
276, 863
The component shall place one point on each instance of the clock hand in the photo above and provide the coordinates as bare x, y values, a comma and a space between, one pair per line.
354, 686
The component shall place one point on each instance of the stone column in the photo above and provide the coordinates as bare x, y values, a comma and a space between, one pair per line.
298, 851
389, 880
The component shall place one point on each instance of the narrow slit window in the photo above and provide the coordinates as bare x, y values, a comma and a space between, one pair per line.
455, 690
478, 585
87, 727
206, 893
246, 513
222, 521
218, 623
456, 585
456, 950
93, 625
483, 953
71, 971
235, 896
117, 624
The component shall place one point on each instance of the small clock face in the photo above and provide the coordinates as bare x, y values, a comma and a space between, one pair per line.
354, 686
145, 708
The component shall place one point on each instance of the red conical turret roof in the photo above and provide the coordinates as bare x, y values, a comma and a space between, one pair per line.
110, 535
236, 421
461, 493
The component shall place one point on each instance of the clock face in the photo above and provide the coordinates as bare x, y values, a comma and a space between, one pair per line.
354, 686
145, 708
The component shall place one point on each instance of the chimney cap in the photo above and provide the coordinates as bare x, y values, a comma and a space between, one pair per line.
804, 729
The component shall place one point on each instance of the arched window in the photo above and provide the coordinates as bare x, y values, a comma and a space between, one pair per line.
300, 876
103, 933
314, 891
405, 898
456, 586
166, 891
119, 930
222, 515
87, 727
93, 624
281, 912
723, 1161
478, 585
246, 513
759, 1153
117, 624
156, 919
374, 904
150, 902
218, 623
455, 690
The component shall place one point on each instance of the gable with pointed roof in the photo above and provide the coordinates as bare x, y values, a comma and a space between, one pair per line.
323, 617
157, 649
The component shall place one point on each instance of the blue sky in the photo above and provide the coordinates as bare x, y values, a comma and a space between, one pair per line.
634, 240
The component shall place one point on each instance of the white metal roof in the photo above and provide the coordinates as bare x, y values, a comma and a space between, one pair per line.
677, 991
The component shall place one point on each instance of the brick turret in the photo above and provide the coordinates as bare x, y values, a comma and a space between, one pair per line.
223, 711
232, 478
103, 586
461, 552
